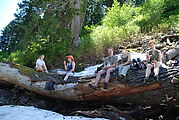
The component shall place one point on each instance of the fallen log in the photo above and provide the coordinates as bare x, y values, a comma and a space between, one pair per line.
133, 91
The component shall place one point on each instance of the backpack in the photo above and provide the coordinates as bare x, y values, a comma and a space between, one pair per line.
176, 62
138, 64
49, 85
141, 64
99, 68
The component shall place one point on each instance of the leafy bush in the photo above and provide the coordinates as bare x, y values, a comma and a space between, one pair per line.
42, 31
3, 56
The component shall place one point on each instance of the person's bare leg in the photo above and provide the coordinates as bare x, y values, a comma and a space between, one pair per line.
67, 75
44, 68
98, 77
108, 74
148, 70
39, 69
156, 69
59, 73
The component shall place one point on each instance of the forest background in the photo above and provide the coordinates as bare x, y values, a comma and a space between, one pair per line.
82, 28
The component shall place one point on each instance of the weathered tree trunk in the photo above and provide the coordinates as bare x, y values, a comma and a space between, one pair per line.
78, 20
133, 91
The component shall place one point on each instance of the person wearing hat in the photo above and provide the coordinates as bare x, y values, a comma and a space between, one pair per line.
69, 67
153, 58
40, 64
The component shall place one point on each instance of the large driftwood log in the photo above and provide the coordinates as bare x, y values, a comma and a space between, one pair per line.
133, 91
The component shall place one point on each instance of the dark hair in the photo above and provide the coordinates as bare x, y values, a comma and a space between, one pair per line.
111, 48
121, 47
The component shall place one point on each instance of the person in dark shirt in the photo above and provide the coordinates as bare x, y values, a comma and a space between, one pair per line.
125, 62
69, 67
153, 58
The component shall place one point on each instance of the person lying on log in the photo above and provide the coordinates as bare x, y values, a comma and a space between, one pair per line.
124, 66
69, 67
153, 58
110, 64
40, 64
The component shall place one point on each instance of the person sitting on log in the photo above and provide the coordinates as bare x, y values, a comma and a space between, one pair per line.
153, 58
110, 64
124, 66
69, 67
40, 64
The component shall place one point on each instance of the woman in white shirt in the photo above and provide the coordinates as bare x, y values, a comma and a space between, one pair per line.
40, 64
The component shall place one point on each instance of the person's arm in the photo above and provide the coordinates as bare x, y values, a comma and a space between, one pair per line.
114, 65
160, 56
65, 65
37, 63
73, 67
105, 64
45, 67
128, 60
107, 67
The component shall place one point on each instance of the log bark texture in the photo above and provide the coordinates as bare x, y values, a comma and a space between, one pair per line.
132, 91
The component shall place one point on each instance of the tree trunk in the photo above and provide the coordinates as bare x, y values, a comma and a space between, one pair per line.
78, 20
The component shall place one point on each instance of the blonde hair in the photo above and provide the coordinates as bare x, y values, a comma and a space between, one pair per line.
41, 56
151, 41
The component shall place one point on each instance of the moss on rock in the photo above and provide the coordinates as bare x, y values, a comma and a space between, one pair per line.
22, 69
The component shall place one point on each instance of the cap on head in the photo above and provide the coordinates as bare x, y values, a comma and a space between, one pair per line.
71, 57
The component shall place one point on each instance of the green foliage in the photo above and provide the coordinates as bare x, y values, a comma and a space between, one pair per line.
173, 22
3, 56
96, 10
127, 19
40, 27
120, 15
152, 14
43, 27
118, 24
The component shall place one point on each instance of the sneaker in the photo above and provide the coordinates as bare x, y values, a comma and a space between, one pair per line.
105, 85
92, 86
120, 77
63, 82
146, 80
156, 78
